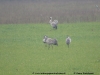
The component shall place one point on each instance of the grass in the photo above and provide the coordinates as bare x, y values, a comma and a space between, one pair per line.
22, 51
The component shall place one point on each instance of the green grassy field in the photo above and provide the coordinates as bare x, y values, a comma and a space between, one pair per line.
22, 51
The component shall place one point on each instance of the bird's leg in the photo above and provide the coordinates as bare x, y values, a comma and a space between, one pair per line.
52, 46
68, 46
48, 46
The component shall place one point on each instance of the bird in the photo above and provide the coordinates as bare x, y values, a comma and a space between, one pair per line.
68, 41
50, 41
53, 23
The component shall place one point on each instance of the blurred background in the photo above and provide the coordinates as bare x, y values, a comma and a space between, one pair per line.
39, 11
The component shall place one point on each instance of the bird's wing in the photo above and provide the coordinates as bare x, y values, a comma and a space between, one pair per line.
56, 21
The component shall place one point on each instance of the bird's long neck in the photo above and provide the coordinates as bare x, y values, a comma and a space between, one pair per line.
46, 38
51, 20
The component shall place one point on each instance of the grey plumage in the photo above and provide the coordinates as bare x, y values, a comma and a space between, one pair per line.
53, 23
50, 41
68, 41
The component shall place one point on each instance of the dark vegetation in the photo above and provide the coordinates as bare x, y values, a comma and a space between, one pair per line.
39, 11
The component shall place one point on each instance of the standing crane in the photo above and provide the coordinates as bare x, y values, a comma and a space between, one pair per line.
68, 41
53, 23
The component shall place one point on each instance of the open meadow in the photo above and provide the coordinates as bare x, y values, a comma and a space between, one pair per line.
22, 51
